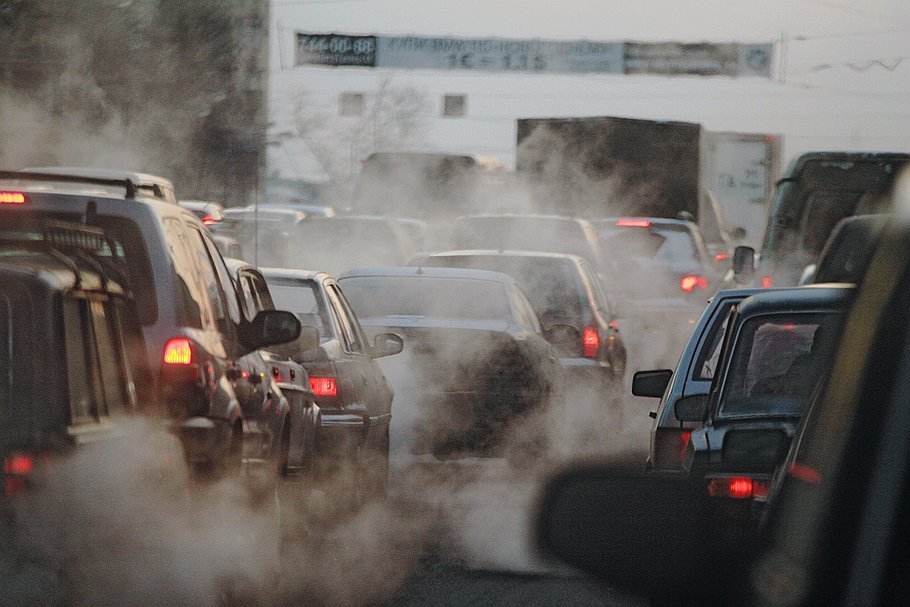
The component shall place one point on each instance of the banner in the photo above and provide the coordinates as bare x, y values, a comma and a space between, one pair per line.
540, 56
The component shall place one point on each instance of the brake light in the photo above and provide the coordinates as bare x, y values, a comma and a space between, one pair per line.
178, 352
590, 342
324, 386
208, 220
721, 257
633, 223
18, 464
737, 487
767, 282
691, 282
12, 198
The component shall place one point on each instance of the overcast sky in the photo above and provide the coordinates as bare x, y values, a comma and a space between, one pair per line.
845, 67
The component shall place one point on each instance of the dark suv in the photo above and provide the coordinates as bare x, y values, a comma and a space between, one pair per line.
192, 328
64, 373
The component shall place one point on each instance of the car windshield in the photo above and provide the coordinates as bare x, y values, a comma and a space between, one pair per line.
431, 297
776, 364
553, 286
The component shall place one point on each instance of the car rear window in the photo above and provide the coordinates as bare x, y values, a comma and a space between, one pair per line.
668, 245
552, 285
458, 299
776, 364
304, 300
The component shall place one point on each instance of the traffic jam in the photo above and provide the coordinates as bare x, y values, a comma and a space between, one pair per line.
640, 359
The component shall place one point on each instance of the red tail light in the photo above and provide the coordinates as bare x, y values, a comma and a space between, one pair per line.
721, 257
12, 198
17, 467
767, 282
590, 342
208, 220
178, 352
324, 386
634, 223
737, 487
691, 282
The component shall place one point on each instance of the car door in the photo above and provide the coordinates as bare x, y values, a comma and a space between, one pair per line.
370, 386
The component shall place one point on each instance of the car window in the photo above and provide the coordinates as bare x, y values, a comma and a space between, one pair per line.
776, 363
224, 277
305, 300
431, 297
247, 297
350, 328
112, 366
670, 246
526, 312
260, 291
194, 304
213, 289
709, 355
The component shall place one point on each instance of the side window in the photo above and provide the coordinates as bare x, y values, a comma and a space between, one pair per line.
706, 362
601, 301
261, 291
227, 285
526, 313
352, 336
214, 293
247, 297
78, 361
112, 367
194, 303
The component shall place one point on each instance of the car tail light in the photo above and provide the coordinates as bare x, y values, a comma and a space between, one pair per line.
590, 342
633, 223
208, 220
690, 282
178, 352
721, 257
17, 467
12, 198
767, 282
324, 386
738, 487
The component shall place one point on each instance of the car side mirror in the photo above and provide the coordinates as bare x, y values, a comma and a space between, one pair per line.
743, 264
564, 338
642, 532
386, 344
270, 327
692, 408
651, 383
307, 341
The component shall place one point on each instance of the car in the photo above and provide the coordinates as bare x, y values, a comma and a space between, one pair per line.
819, 189
273, 390
259, 236
528, 232
834, 531
311, 210
661, 272
774, 356
576, 315
691, 376
475, 351
192, 329
67, 377
354, 398
334, 245
209, 213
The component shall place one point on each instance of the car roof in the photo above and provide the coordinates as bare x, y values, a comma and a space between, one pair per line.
800, 299
541, 216
110, 185
294, 274
94, 173
250, 213
428, 272
506, 253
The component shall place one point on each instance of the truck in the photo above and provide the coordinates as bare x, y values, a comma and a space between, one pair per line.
614, 166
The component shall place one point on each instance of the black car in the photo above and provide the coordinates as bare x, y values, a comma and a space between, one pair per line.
477, 358
692, 376
774, 356
65, 376
191, 322
566, 294
354, 398
847, 251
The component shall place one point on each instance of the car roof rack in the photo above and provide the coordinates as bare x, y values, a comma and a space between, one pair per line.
152, 185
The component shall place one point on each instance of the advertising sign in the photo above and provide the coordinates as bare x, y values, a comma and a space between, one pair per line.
542, 56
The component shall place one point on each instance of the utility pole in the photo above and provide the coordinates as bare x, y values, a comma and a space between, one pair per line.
782, 58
